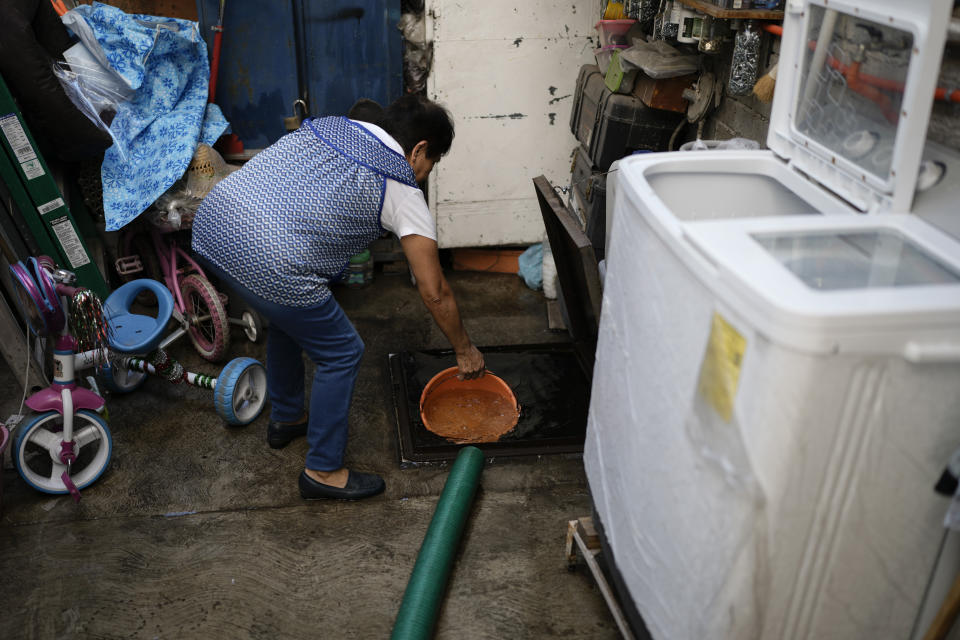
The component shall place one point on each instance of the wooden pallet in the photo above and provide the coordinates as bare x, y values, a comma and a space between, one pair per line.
582, 537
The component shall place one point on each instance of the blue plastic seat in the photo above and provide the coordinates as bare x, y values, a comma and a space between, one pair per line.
133, 333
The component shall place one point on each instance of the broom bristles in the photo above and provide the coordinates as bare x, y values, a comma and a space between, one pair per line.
765, 86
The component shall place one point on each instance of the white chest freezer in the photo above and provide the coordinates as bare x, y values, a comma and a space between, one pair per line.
773, 401
774, 397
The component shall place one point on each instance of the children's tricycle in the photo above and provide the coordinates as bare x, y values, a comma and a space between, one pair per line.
66, 445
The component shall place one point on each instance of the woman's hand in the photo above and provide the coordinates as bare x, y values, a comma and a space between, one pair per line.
423, 255
470, 363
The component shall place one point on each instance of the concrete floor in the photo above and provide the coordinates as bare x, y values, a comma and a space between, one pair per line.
197, 530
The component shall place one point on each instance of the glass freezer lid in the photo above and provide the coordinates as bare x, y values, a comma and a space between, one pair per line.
855, 88
826, 261
851, 93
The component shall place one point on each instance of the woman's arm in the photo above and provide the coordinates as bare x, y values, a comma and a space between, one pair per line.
424, 259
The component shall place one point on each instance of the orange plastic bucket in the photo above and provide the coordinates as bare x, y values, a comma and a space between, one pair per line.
479, 410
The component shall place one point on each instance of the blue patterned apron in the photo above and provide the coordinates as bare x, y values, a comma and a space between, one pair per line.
286, 224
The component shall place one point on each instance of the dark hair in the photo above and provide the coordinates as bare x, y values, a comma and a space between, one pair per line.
413, 118
366, 110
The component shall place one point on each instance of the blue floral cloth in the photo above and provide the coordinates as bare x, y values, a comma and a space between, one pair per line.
164, 60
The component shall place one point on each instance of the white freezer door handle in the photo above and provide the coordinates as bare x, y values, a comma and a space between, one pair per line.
932, 352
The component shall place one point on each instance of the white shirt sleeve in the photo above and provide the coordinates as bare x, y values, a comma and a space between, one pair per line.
405, 211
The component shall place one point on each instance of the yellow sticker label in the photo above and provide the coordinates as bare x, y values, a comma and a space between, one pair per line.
720, 371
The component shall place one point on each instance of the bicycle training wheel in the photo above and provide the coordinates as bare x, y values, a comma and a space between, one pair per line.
241, 391
120, 380
37, 451
208, 329
252, 325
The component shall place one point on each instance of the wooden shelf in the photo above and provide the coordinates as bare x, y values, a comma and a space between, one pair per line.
743, 14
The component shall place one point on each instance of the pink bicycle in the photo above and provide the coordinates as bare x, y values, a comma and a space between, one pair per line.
199, 308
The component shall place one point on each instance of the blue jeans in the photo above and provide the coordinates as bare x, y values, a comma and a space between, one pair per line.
334, 346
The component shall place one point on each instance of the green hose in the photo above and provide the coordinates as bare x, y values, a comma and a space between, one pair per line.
421, 600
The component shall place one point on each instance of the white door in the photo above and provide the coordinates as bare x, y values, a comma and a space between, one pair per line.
507, 73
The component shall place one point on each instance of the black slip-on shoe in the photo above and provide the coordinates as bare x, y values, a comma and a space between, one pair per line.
280, 435
359, 485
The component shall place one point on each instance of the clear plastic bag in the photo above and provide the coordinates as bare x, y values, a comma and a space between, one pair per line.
548, 271
412, 27
659, 60
746, 60
417, 52
177, 206
732, 143
531, 266
95, 90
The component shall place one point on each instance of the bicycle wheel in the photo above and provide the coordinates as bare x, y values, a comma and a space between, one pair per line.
37, 451
241, 391
208, 329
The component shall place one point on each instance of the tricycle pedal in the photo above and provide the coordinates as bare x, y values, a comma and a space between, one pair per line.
128, 265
